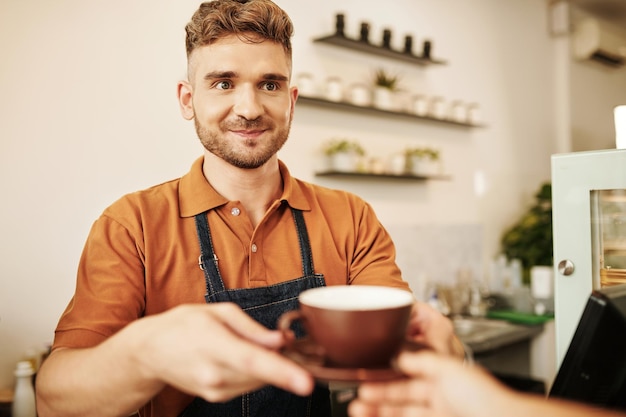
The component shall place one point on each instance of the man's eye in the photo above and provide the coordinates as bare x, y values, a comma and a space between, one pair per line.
223, 85
271, 86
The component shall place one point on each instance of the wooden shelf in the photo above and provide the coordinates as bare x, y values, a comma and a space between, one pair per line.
382, 176
344, 105
614, 245
342, 41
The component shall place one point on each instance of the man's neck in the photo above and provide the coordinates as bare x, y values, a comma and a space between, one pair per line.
256, 189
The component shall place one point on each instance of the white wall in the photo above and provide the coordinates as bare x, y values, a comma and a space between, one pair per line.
595, 90
500, 55
87, 98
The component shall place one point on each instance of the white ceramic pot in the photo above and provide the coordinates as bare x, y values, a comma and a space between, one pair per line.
344, 161
306, 85
397, 164
360, 95
383, 98
425, 167
420, 105
334, 89
437, 108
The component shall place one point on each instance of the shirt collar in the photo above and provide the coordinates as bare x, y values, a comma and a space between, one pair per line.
195, 194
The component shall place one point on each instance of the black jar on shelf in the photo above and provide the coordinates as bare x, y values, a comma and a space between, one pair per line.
387, 38
408, 44
427, 49
365, 32
339, 24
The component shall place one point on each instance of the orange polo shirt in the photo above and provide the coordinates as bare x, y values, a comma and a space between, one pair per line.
141, 256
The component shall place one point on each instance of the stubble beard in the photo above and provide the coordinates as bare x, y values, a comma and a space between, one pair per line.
255, 155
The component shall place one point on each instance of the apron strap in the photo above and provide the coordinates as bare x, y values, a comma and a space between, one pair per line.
208, 260
305, 246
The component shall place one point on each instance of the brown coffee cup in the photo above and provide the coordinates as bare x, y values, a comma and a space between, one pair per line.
353, 326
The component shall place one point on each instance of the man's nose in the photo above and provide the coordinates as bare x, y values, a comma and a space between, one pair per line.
248, 103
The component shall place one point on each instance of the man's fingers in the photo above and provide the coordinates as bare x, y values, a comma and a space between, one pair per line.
241, 324
261, 360
279, 371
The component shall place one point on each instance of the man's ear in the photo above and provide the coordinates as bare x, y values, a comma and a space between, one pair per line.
294, 97
185, 99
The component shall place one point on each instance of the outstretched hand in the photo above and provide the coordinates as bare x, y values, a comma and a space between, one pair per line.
212, 351
437, 386
216, 352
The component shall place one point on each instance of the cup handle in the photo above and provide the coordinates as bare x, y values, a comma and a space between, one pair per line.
284, 324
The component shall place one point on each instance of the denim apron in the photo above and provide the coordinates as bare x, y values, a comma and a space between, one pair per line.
265, 305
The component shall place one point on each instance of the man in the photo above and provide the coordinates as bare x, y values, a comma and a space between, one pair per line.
441, 387
178, 285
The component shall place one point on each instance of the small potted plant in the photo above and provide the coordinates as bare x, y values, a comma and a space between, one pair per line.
423, 161
343, 154
530, 238
385, 86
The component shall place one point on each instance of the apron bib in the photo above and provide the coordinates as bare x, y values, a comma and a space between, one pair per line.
265, 305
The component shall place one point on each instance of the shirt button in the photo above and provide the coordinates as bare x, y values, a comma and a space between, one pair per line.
253, 248
235, 211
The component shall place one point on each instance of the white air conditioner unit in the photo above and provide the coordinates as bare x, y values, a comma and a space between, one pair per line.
593, 41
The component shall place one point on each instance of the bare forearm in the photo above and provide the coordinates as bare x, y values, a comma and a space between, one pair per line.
105, 380
439, 385
215, 351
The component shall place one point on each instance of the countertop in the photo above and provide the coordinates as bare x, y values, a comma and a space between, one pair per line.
485, 334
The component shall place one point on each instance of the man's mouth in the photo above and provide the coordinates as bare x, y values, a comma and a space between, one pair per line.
249, 134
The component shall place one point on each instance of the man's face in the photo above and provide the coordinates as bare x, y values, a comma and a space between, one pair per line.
239, 97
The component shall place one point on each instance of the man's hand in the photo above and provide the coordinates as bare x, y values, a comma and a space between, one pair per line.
213, 351
431, 328
216, 352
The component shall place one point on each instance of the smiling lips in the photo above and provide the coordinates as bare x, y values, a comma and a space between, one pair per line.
249, 134
248, 129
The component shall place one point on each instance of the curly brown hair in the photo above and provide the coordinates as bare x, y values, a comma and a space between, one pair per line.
251, 20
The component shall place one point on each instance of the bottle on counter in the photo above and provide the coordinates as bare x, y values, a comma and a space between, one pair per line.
24, 396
